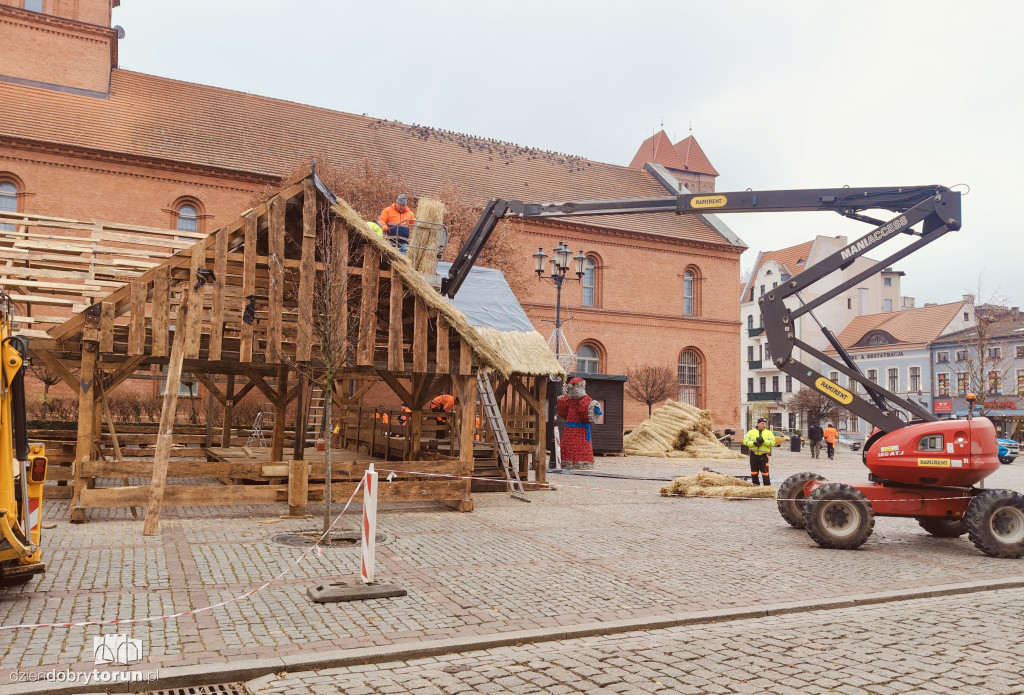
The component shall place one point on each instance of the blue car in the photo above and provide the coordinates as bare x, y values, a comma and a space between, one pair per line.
1008, 450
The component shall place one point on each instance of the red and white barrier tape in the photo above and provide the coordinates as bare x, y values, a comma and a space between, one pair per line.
152, 619
367, 569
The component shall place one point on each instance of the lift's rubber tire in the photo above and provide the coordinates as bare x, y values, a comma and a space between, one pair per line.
995, 523
838, 516
943, 528
791, 495
1006, 459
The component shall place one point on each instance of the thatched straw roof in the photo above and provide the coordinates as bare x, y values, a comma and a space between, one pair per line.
516, 351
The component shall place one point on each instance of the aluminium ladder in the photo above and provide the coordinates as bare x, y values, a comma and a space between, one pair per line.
505, 454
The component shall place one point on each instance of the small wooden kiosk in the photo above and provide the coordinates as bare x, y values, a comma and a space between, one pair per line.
244, 309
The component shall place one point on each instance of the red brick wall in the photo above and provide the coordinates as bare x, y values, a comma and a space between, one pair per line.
640, 317
54, 52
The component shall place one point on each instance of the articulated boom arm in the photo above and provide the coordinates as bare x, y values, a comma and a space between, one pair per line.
926, 212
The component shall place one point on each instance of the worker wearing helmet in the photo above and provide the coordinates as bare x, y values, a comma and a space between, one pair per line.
759, 441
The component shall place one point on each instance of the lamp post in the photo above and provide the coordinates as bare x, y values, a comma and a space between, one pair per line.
558, 274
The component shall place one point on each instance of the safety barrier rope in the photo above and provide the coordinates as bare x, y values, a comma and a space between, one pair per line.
391, 474
128, 621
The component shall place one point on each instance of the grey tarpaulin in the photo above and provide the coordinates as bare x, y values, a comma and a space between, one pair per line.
487, 300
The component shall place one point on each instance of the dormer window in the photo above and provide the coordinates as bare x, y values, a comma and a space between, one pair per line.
800, 262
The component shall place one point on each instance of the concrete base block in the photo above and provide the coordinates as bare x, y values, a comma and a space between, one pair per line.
356, 591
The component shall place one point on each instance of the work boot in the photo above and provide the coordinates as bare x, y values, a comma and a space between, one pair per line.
766, 481
753, 479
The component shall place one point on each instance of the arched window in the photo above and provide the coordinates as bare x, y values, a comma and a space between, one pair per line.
589, 283
691, 291
188, 218
592, 281
750, 322
8, 202
689, 287
588, 359
690, 374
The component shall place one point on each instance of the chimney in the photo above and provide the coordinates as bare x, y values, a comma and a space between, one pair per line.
969, 298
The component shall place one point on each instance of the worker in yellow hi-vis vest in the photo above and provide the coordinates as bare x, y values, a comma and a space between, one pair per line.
759, 441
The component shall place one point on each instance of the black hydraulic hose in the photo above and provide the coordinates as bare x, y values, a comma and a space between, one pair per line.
18, 412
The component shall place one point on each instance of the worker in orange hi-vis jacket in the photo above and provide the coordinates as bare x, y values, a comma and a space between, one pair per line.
396, 220
831, 437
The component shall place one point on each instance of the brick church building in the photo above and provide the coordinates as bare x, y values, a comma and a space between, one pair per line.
82, 139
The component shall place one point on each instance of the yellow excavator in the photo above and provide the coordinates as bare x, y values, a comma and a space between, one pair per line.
22, 467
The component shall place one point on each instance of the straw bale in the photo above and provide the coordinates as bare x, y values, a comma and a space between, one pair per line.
677, 430
507, 352
712, 479
426, 241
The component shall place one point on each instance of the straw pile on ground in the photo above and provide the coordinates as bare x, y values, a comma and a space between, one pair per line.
709, 484
676, 430
426, 235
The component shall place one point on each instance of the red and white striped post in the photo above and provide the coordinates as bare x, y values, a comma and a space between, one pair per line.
369, 524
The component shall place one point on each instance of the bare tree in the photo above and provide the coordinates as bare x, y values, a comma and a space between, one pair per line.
49, 378
650, 384
816, 407
983, 354
331, 330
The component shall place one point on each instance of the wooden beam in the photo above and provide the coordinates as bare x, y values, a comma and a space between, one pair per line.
220, 273
206, 381
303, 392
229, 411
465, 357
540, 458
465, 391
107, 327
419, 337
86, 441
396, 359
531, 400
275, 273
443, 360
123, 371
368, 308
307, 275
165, 436
280, 413
194, 295
248, 285
257, 380
298, 486
161, 316
58, 368
397, 387
137, 325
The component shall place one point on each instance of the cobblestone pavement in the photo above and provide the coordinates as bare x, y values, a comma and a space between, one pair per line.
592, 550
963, 644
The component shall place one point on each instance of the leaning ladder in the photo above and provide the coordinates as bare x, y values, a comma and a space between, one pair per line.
315, 416
497, 424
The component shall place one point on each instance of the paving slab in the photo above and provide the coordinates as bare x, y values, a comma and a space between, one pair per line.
595, 556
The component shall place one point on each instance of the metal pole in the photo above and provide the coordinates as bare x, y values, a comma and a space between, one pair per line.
558, 317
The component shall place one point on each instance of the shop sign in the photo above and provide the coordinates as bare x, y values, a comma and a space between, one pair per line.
943, 406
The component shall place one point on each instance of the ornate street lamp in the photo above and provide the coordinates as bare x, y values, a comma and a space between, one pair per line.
558, 274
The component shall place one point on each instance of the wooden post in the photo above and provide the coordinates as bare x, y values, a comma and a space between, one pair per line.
248, 286
465, 391
165, 435
298, 487
540, 458
301, 417
86, 403
280, 406
275, 270
396, 358
367, 339
229, 412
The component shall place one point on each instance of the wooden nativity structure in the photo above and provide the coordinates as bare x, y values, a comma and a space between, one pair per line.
246, 308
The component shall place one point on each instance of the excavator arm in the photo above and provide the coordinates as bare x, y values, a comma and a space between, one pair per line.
924, 212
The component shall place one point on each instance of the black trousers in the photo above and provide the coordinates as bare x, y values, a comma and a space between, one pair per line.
759, 464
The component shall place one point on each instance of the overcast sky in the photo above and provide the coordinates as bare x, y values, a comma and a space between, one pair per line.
781, 94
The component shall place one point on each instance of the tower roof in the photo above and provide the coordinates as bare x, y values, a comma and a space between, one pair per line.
685, 155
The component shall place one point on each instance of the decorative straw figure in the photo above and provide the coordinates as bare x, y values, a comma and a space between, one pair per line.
579, 411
